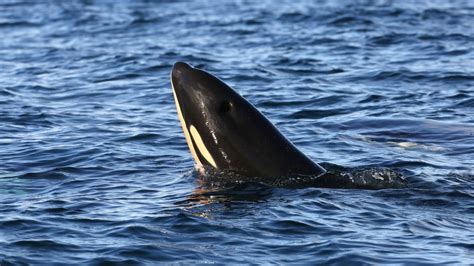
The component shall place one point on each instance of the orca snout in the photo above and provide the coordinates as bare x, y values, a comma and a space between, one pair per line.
179, 68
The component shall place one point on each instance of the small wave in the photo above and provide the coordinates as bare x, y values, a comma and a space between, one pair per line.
287, 61
45, 244
18, 223
135, 230
249, 77
456, 78
408, 164
321, 40
290, 227
442, 36
19, 24
442, 203
436, 14
400, 75
118, 78
155, 68
155, 252
110, 260
294, 16
274, 103
373, 98
141, 137
6, 92
390, 39
468, 246
456, 52
44, 175
143, 18
466, 103
317, 114
460, 95
320, 101
242, 32
457, 193
348, 20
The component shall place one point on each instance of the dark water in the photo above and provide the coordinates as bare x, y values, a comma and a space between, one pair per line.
94, 167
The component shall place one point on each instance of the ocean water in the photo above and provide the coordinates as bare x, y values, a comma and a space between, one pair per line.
94, 168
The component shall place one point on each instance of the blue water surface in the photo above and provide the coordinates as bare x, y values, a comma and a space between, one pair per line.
94, 168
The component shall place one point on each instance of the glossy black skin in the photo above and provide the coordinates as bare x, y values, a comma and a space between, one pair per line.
236, 134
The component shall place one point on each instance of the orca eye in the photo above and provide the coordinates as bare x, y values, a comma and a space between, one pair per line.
225, 106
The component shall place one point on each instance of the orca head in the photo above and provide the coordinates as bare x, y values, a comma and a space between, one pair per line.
216, 120
226, 132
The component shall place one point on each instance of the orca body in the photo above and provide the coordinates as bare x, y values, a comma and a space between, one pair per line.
226, 132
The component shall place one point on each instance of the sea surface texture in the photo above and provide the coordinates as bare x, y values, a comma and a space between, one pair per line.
94, 167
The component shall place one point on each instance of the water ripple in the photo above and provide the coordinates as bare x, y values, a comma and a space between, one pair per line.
95, 170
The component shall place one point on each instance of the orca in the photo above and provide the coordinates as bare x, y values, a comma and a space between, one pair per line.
226, 132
